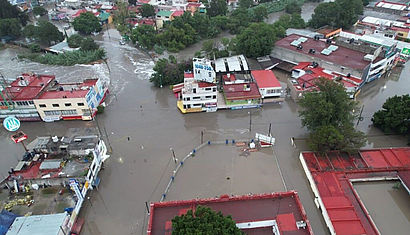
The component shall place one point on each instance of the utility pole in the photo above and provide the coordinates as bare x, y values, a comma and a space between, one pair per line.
202, 137
360, 118
270, 127
147, 207
250, 121
173, 155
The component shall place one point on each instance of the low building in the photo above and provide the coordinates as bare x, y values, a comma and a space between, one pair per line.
233, 64
332, 175
71, 101
340, 58
269, 86
17, 97
53, 224
163, 16
242, 94
276, 213
305, 75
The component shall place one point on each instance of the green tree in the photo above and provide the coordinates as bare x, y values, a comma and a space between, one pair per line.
220, 22
366, 2
324, 14
88, 44
39, 11
121, 13
204, 221
256, 40
10, 27
47, 32
394, 117
29, 31
217, 7
74, 41
245, 3
35, 48
166, 73
87, 23
147, 10
328, 115
239, 20
293, 7
8, 11
259, 13
145, 35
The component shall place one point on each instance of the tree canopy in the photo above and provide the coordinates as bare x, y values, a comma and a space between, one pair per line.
394, 117
74, 41
328, 115
39, 11
88, 44
46, 32
217, 7
87, 23
245, 3
168, 73
145, 35
256, 40
338, 14
8, 11
147, 10
204, 221
293, 7
10, 27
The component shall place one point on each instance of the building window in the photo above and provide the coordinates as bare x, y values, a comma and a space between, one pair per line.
196, 98
56, 105
80, 104
31, 102
208, 89
42, 105
67, 104
214, 97
52, 113
208, 97
210, 75
214, 89
194, 90
69, 112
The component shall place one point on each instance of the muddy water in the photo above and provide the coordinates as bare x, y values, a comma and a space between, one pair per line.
389, 207
139, 169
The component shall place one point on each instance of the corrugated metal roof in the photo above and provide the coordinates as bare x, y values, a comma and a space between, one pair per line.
37, 225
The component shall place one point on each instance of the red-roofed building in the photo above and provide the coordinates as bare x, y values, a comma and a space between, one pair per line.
253, 214
17, 97
71, 100
305, 75
268, 84
176, 14
243, 93
331, 176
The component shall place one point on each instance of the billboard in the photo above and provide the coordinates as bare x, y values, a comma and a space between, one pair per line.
203, 70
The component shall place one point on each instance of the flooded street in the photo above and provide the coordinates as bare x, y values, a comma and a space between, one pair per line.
139, 168
388, 206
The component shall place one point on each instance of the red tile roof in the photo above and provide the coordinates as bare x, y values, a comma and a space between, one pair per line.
36, 84
80, 90
331, 174
342, 56
206, 84
177, 13
188, 75
265, 78
237, 92
284, 207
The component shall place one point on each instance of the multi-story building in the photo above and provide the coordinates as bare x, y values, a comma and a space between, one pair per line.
198, 93
71, 101
17, 98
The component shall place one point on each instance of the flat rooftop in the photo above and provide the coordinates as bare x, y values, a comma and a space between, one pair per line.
342, 56
69, 90
238, 91
265, 78
331, 176
28, 86
285, 208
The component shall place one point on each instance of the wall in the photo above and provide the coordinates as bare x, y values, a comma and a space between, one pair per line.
61, 102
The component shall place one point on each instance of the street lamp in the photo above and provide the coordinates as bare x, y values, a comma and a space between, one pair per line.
173, 155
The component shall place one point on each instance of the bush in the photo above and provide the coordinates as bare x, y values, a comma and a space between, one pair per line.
67, 58
39, 11
100, 109
34, 48
88, 44
75, 41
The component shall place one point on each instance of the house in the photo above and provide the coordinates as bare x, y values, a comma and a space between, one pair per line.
163, 16
196, 7
105, 17
242, 94
17, 97
305, 75
268, 84
71, 100
176, 14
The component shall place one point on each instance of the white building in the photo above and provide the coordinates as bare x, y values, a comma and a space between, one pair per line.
268, 84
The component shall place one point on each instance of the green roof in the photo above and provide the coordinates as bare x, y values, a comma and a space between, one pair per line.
164, 13
104, 16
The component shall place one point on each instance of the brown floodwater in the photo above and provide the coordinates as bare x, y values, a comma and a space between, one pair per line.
139, 170
387, 205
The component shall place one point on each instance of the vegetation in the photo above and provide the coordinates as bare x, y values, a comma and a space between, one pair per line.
67, 58
47, 32
88, 44
293, 7
394, 117
328, 115
8, 11
338, 14
74, 41
204, 221
245, 3
168, 73
217, 7
100, 109
87, 23
35, 48
145, 35
39, 11
147, 10
10, 27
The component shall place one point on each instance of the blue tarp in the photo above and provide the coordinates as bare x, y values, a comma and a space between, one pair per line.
6, 220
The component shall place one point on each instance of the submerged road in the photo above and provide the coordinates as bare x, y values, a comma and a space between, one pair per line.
139, 168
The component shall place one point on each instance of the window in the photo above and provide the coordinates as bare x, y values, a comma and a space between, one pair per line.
214, 89
42, 105
210, 74
400, 34
56, 105
31, 102
214, 97
52, 113
69, 112
194, 90
80, 104
67, 104
196, 98
208, 97
208, 89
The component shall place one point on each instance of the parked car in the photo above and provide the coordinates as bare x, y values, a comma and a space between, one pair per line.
122, 42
